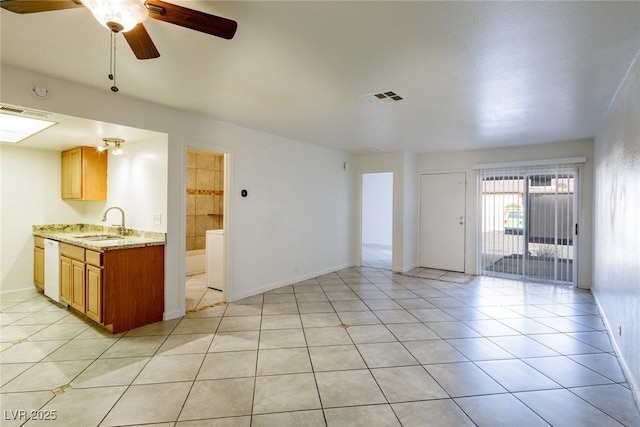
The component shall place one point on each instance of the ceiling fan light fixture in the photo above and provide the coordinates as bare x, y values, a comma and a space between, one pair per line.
118, 15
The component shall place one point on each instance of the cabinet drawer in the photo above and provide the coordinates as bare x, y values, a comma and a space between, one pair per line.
93, 258
38, 242
75, 252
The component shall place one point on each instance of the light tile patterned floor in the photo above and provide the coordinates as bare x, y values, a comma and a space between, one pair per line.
358, 347
376, 256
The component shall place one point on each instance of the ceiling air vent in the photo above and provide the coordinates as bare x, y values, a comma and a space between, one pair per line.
385, 97
16, 126
17, 110
11, 109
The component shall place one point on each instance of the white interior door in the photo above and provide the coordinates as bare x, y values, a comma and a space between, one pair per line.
442, 221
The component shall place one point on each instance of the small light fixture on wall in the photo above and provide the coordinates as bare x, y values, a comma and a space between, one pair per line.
114, 142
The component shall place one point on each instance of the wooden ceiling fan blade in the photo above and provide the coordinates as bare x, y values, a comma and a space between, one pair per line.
34, 6
192, 19
141, 43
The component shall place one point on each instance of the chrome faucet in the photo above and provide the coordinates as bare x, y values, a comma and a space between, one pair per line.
121, 228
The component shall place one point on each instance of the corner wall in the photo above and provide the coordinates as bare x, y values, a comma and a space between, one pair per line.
616, 246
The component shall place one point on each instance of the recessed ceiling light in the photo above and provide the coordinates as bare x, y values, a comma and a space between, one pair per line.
14, 129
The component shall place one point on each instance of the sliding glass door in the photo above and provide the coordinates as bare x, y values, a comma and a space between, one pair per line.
528, 226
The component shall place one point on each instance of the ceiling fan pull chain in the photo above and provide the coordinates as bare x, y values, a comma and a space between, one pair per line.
112, 62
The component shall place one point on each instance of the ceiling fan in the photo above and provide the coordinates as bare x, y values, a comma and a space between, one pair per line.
126, 16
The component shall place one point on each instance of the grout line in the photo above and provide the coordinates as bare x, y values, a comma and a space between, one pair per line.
354, 279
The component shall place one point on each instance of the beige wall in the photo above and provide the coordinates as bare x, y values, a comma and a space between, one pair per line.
205, 195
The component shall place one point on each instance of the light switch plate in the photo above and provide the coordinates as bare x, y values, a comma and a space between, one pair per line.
157, 219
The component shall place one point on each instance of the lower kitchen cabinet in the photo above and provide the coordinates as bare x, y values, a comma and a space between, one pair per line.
38, 262
72, 285
132, 287
65, 279
77, 285
120, 289
94, 293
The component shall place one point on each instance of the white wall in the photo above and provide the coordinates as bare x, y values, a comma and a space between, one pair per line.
616, 244
377, 208
29, 194
137, 183
297, 221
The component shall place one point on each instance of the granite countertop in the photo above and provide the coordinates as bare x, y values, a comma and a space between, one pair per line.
81, 235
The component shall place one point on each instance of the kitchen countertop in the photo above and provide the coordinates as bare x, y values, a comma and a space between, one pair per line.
77, 234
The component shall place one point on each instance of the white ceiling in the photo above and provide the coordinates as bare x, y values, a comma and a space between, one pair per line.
472, 74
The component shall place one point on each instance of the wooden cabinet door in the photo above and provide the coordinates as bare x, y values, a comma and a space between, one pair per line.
65, 279
65, 178
77, 285
94, 293
71, 174
94, 174
84, 174
38, 267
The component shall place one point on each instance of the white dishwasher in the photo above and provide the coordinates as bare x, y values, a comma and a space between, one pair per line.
52, 269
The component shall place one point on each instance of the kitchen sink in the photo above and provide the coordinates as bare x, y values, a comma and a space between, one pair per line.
99, 237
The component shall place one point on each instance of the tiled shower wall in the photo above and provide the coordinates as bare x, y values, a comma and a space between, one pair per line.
205, 194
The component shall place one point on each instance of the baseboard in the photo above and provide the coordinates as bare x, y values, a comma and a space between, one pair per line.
631, 380
169, 315
409, 268
31, 288
293, 280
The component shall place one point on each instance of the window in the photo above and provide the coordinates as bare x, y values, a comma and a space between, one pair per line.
527, 225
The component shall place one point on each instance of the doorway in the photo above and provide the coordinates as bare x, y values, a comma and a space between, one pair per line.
205, 263
442, 221
377, 220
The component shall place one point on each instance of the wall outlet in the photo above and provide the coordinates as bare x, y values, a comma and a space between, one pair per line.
157, 219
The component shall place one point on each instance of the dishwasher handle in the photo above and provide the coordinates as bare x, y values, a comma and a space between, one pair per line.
51, 243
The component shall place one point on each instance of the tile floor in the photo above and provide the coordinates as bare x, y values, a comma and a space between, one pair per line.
377, 256
198, 295
358, 347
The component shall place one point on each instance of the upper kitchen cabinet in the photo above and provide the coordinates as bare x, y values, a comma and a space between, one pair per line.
84, 174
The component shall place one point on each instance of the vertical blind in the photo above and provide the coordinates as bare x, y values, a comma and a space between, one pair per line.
527, 224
